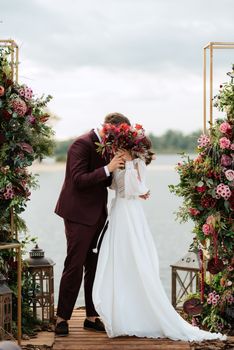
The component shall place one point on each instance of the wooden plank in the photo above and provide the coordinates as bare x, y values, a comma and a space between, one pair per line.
42, 339
117, 347
81, 339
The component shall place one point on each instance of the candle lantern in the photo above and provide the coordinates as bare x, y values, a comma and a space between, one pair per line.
5, 308
184, 278
41, 270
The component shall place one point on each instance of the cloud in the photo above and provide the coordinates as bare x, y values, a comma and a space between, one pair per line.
140, 57
145, 35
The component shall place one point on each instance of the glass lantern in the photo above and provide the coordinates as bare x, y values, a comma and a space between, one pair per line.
5, 308
184, 278
41, 271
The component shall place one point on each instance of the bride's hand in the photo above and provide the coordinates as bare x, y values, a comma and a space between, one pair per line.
145, 196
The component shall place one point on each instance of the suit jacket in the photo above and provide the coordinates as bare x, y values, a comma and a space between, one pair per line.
84, 194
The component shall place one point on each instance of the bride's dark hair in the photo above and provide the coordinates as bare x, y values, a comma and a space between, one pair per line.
148, 156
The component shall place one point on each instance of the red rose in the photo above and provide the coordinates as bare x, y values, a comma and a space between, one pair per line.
124, 126
201, 189
138, 127
194, 211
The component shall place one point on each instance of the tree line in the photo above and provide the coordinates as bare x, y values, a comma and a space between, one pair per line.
171, 142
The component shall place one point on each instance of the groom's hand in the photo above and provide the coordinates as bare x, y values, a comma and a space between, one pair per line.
116, 163
145, 196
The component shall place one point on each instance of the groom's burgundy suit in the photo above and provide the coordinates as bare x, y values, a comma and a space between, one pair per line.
83, 206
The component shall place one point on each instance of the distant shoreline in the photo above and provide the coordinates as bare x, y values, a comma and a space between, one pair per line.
59, 166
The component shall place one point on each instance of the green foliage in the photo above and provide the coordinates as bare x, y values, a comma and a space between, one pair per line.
61, 149
24, 137
207, 188
171, 142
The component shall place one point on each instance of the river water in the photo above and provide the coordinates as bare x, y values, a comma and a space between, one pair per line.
171, 238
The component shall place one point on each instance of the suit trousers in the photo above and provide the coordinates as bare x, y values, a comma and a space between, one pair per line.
81, 239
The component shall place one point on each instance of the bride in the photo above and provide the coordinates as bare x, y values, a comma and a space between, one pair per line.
127, 291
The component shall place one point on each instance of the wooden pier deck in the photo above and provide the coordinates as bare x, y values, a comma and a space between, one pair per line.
80, 339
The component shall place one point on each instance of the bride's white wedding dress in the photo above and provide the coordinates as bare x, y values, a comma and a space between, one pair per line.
127, 291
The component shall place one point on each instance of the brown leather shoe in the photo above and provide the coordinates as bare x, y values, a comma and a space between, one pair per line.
96, 326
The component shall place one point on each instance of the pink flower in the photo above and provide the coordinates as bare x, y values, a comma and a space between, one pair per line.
224, 191
194, 211
229, 174
224, 127
203, 141
19, 106
224, 143
229, 299
211, 220
226, 160
26, 92
194, 322
198, 159
206, 229
9, 194
31, 119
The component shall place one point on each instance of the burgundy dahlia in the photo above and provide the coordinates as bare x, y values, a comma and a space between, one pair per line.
208, 202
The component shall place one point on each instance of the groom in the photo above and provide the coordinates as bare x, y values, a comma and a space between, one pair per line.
83, 206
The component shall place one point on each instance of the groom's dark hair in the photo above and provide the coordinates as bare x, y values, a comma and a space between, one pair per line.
116, 119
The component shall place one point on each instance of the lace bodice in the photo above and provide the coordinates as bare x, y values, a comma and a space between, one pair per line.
129, 183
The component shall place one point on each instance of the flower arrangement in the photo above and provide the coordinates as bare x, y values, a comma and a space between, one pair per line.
124, 136
24, 137
207, 187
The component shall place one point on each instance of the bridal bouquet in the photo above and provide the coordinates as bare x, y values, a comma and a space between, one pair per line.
124, 136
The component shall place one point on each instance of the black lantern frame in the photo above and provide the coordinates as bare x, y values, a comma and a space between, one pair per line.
41, 272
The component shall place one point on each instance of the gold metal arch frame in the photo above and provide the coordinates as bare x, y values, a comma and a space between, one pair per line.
14, 63
11, 44
208, 91
211, 47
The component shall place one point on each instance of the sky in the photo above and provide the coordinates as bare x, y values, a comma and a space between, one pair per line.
142, 58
